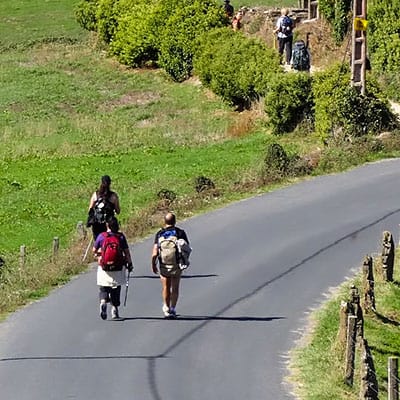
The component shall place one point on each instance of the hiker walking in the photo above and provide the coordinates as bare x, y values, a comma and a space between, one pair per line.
171, 249
103, 204
114, 258
284, 30
229, 10
237, 20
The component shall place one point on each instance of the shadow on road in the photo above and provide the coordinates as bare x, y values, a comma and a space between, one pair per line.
206, 318
182, 277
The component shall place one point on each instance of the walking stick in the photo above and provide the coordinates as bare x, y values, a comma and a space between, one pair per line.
126, 287
87, 249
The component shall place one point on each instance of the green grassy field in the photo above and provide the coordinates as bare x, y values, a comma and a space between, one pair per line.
70, 114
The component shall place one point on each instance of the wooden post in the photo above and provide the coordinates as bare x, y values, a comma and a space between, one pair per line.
350, 350
56, 246
346, 309
22, 254
369, 383
80, 228
393, 380
368, 285
355, 300
387, 256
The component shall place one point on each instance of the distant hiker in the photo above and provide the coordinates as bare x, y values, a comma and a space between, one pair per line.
168, 244
229, 10
284, 30
114, 258
104, 204
301, 58
237, 21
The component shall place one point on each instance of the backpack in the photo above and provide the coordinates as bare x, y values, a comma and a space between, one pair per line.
286, 26
112, 255
300, 57
168, 252
102, 209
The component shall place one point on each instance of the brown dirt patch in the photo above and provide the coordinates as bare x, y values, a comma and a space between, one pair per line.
134, 98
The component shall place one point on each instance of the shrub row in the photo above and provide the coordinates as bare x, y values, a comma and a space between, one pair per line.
142, 32
182, 36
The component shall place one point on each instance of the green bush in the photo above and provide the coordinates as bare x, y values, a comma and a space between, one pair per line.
237, 68
341, 111
384, 35
327, 9
85, 14
182, 28
336, 13
135, 41
278, 164
108, 13
341, 22
389, 82
289, 101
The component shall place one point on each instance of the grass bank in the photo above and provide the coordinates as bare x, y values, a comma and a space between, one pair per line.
318, 363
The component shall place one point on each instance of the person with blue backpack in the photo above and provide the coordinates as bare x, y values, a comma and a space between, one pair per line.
284, 30
171, 251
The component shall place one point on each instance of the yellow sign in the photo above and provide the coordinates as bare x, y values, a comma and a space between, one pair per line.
360, 24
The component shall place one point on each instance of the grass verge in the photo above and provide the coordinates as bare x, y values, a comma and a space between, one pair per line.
317, 364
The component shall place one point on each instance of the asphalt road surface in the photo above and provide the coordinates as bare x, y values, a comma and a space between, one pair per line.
258, 266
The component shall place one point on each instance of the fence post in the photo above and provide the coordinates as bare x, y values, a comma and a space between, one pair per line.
368, 285
387, 256
355, 301
369, 383
346, 309
393, 381
350, 350
80, 228
56, 246
22, 254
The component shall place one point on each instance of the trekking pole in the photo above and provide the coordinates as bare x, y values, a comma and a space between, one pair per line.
87, 249
126, 287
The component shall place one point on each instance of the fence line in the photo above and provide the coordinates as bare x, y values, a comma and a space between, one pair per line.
355, 322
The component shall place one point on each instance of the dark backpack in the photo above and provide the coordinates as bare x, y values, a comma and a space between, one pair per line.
300, 57
102, 209
112, 255
286, 26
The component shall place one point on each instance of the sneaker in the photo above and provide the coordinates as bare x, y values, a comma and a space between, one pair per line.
114, 313
165, 310
172, 313
103, 310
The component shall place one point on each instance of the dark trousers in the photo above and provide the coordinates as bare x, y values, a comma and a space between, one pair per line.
285, 44
111, 295
97, 229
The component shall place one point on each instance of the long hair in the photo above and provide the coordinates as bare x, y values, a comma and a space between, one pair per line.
104, 188
113, 224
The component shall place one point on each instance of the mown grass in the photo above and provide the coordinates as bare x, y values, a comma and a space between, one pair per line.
318, 363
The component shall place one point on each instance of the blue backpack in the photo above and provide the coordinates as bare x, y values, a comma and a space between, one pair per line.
286, 26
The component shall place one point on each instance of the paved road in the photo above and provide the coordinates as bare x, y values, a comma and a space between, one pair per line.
258, 266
